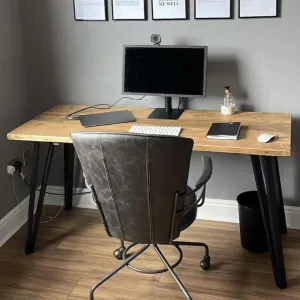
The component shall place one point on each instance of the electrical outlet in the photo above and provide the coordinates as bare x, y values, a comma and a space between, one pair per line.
14, 165
13, 161
26, 157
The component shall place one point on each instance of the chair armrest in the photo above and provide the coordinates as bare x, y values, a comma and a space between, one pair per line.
201, 183
205, 176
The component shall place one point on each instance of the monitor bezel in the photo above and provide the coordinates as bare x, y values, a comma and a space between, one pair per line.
167, 95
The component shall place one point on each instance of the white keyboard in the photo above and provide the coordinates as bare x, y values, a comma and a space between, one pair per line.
159, 130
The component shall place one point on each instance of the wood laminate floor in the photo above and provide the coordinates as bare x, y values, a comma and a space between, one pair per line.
73, 252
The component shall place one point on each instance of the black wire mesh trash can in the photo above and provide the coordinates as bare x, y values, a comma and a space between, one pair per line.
253, 236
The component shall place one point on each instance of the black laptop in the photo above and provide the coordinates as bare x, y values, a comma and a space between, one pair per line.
108, 118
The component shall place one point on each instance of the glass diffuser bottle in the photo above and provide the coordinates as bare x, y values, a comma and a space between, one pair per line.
228, 105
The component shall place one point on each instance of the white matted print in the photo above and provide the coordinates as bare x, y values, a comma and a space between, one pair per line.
258, 8
128, 9
212, 9
169, 9
90, 10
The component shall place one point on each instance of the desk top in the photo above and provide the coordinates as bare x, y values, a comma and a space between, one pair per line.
52, 126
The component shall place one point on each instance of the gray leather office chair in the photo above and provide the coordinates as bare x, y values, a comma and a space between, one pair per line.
139, 183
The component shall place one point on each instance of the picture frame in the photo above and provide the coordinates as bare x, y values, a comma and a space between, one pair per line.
90, 10
259, 9
213, 10
138, 13
164, 10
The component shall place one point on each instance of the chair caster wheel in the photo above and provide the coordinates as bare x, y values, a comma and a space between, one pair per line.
205, 263
118, 253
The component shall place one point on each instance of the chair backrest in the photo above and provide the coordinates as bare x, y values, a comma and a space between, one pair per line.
135, 180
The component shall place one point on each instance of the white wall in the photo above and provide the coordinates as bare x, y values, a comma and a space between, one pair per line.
13, 109
259, 58
25, 86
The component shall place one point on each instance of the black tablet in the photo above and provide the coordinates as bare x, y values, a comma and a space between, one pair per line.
114, 117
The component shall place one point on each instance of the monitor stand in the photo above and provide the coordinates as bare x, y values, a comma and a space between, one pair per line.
167, 112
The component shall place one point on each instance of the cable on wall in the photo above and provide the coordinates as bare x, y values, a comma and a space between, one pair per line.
107, 106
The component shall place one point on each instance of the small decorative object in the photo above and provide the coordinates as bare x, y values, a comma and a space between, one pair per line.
228, 105
258, 8
169, 9
213, 9
90, 10
128, 10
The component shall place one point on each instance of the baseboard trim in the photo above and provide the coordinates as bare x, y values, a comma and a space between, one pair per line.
18, 216
81, 201
13, 221
213, 210
227, 211
219, 210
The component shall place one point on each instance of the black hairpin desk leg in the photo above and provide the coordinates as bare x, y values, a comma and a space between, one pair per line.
29, 247
266, 187
279, 196
34, 217
69, 173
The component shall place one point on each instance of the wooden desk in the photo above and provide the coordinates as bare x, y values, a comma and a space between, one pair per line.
52, 127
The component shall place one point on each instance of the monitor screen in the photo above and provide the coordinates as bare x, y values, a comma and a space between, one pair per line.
165, 70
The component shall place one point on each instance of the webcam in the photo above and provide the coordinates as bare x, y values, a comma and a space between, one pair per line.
155, 39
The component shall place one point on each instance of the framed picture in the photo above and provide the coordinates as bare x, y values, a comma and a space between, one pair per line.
258, 8
213, 9
129, 10
169, 10
90, 10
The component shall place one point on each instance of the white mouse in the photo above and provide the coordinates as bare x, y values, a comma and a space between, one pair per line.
265, 137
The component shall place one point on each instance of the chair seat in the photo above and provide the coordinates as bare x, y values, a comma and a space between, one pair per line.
190, 216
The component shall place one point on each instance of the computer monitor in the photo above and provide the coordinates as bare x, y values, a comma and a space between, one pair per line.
165, 71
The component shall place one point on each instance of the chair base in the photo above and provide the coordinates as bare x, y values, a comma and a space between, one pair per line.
153, 271
204, 264
118, 253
